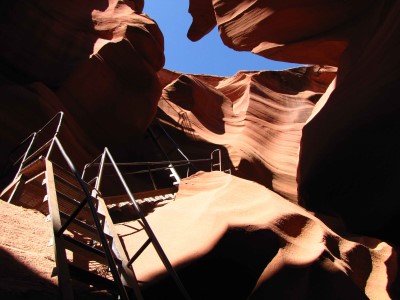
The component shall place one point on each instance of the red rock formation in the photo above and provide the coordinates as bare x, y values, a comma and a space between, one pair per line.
27, 261
256, 116
307, 31
352, 171
230, 238
348, 163
97, 63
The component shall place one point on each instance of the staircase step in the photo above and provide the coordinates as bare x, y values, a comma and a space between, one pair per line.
87, 251
68, 188
163, 193
68, 178
29, 195
36, 179
67, 175
88, 277
68, 205
97, 281
32, 172
34, 168
84, 228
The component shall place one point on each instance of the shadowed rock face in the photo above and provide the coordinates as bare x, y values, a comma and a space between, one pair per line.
250, 243
94, 60
349, 158
350, 149
305, 31
102, 65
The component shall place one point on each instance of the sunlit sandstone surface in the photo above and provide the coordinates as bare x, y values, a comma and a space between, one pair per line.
305, 206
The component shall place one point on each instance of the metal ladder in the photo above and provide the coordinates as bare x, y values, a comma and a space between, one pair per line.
87, 248
83, 231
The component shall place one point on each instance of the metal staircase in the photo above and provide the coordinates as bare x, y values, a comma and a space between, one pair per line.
87, 248
150, 234
86, 245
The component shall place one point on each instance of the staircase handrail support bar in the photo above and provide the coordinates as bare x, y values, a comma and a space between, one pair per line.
34, 136
175, 163
146, 225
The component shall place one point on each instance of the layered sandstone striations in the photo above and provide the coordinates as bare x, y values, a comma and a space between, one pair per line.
348, 162
305, 31
256, 117
289, 136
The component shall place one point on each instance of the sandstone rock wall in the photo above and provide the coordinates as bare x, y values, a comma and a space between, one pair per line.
256, 116
94, 60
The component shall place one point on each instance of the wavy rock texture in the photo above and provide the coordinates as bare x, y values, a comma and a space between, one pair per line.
230, 237
305, 31
349, 162
256, 116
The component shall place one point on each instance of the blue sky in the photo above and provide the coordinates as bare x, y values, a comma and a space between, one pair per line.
206, 56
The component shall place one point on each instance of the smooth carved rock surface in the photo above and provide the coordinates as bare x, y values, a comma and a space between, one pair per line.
230, 238
304, 31
352, 171
348, 164
102, 65
256, 116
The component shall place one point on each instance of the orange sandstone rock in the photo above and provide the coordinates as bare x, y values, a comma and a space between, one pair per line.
308, 32
256, 116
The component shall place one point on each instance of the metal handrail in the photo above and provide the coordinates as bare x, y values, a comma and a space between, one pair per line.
162, 162
88, 166
55, 134
170, 164
34, 136
38, 151
146, 225
219, 159
173, 172
175, 144
149, 170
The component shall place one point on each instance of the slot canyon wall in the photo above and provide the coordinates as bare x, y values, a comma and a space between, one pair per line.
349, 151
323, 137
